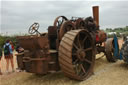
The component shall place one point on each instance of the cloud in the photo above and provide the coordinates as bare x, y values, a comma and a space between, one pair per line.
17, 16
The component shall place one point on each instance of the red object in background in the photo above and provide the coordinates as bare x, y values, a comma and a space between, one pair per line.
101, 36
12, 47
97, 38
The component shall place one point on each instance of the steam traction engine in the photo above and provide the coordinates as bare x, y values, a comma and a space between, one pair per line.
69, 45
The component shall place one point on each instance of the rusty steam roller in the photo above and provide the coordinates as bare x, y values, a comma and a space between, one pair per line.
70, 46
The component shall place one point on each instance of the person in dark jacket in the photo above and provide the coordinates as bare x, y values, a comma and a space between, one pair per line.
20, 55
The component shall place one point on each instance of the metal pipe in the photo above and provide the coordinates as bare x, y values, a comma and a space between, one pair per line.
96, 15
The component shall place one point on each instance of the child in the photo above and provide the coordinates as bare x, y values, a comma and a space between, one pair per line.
20, 64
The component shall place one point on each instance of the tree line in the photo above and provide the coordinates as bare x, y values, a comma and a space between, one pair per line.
119, 30
4, 38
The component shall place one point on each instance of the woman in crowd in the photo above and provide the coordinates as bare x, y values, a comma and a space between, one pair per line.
8, 53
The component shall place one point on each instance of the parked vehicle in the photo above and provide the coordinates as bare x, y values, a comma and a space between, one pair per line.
70, 45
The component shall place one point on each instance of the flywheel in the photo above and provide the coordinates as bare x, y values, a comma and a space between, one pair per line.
65, 27
76, 54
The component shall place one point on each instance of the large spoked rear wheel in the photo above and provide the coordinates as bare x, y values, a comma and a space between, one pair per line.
76, 54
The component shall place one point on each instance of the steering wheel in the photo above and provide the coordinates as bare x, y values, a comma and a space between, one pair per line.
33, 28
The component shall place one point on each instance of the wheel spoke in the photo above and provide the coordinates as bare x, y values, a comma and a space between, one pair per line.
31, 31
87, 49
34, 25
58, 23
74, 54
78, 69
88, 61
78, 39
75, 61
82, 68
37, 26
62, 20
84, 40
75, 46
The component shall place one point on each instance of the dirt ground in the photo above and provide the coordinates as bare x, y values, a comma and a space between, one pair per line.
105, 73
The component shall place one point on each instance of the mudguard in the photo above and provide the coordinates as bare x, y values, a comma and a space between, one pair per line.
116, 46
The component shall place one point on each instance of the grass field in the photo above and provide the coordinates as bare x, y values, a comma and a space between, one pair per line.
105, 73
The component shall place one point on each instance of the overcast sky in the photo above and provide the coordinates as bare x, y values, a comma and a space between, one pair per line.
17, 16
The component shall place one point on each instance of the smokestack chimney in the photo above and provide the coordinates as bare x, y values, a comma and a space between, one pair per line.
96, 15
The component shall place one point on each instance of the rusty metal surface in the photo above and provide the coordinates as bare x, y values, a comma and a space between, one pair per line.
38, 66
36, 61
80, 23
52, 30
76, 54
65, 27
96, 15
90, 24
29, 59
102, 36
20, 62
53, 63
52, 36
109, 50
33, 42
36, 53
59, 20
